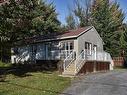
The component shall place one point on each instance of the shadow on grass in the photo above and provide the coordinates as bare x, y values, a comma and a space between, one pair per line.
21, 70
39, 89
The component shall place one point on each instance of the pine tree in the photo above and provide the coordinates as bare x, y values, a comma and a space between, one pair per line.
108, 20
20, 19
118, 29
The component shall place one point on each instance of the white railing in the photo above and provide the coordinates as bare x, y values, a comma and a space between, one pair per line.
79, 62
90, 55
65, 53
53, 55
21, 58
69, 60
98, 55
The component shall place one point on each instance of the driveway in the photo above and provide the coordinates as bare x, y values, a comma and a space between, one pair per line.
109, 83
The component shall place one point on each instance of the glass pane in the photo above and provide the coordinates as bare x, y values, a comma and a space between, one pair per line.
71, 46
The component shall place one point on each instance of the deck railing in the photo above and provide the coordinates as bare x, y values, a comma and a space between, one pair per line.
54, 55
79, 62
90, 55
96, 55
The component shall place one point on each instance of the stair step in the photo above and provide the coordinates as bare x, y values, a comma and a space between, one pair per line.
68, 73
69, 70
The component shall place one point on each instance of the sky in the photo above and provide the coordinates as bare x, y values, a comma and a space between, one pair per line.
62, 7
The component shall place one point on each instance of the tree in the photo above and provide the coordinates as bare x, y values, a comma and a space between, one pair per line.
70, 22
123, 40
118, 28
108, 20
20, 19
82, 11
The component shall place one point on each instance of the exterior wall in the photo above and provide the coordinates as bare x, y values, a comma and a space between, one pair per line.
39, 51
91, 36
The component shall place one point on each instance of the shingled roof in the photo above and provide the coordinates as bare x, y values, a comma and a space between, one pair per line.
75, 32
59, 36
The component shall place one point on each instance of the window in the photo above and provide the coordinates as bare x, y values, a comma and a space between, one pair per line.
88, 48
71, 46
67, 45
95, 48
88, 45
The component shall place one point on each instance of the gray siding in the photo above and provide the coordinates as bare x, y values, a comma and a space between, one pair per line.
91, 36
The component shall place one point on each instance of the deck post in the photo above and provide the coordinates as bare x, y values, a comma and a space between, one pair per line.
94, 68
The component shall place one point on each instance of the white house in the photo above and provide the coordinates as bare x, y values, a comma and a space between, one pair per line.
74, 47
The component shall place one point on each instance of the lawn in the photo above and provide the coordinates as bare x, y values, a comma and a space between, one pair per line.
25, 80
39, 83
4, 65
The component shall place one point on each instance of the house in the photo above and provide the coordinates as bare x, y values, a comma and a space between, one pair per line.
75, 47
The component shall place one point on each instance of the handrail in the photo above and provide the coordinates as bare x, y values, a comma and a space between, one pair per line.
69, 59
79, 61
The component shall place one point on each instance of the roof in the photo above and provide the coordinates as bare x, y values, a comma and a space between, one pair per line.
76, 32
64, 35
70, 34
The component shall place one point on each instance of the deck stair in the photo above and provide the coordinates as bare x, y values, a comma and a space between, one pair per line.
72, 65
70, 70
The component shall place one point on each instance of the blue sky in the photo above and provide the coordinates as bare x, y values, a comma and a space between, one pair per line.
62, 8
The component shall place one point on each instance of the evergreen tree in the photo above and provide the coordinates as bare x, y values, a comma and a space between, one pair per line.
20, 19
108, 20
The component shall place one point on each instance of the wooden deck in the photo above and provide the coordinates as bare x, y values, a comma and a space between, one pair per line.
94, 66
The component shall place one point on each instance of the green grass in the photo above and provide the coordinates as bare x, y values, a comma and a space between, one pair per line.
37, 83
119, 68
4, 64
